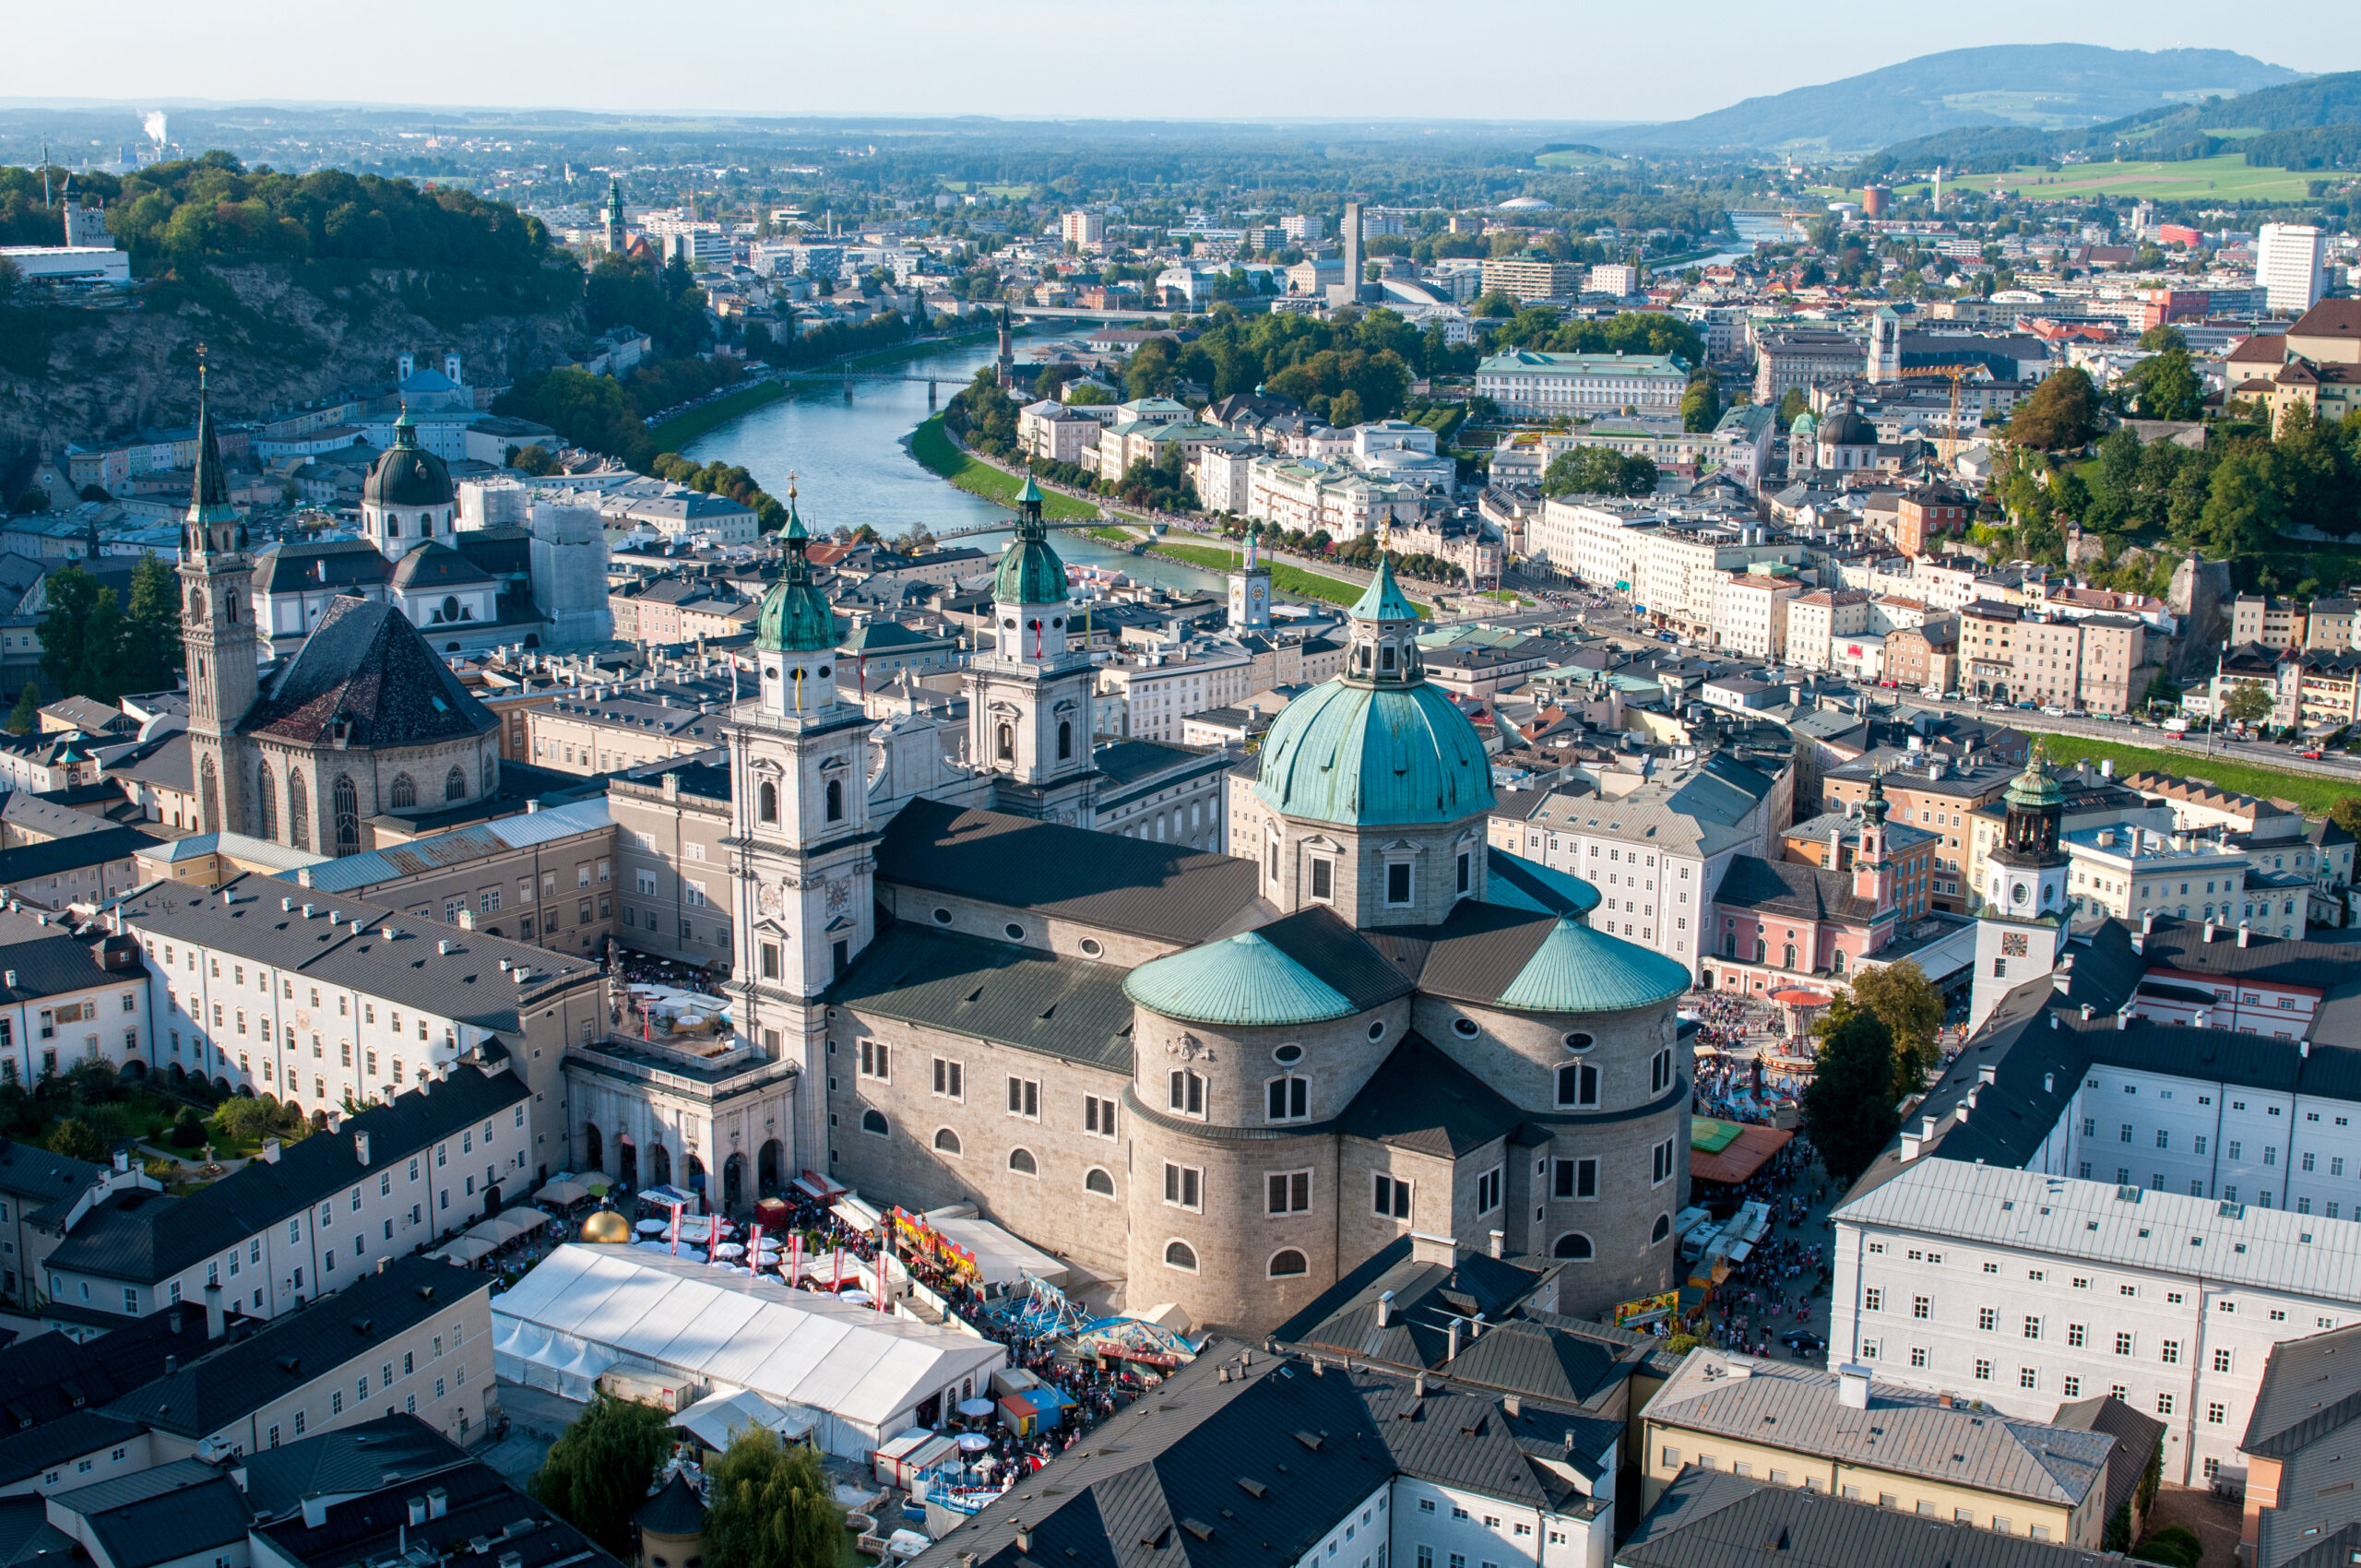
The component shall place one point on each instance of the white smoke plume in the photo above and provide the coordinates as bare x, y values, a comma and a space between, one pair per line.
154, 126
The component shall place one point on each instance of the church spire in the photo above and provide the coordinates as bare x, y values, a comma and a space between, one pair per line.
212, 520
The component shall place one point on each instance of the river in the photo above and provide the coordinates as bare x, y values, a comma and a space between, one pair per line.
852, 465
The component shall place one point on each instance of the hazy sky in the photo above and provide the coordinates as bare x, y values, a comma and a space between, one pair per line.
1514, 59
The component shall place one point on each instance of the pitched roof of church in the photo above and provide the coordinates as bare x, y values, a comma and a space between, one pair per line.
436, 565
365, 662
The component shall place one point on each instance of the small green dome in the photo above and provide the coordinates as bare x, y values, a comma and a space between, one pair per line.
2034, 790
795, 616
1241, 982
1362, 755
1382, 599
1577, 970
1030, 572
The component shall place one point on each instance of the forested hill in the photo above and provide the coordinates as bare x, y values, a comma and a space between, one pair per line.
297, 285
2038, 85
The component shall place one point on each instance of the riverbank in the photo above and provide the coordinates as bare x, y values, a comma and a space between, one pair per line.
2314, 793
1285, 577
675, 434
933, 446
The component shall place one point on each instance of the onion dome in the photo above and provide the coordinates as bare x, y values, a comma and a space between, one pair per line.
1030, 572
1243, 981
795, 616
1577, 970
1377, 746
1845, 427
407, 474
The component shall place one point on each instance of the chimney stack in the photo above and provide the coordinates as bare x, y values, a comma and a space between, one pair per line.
214, 1326
1385, 1309
1853, 1386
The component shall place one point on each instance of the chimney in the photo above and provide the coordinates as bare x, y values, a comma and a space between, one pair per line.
1985, 1072
1909, 1146
2050, 1080
172, 1363
2243, 934
417, 1510
1451, 1351
2209, 930
438, 1502
1513, 1406
1926, 1127
316, 1510
1385, 1309
1023, 1537
2122, 1021
270, 1151
1853, 1386
361, 1146
1499, 1238
1426, 1247
214, 1327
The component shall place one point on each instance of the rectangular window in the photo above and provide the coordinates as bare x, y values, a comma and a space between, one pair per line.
1287, 1191
1920, 1306
1575, 1178
1183, 1186
1323, 879
1487, 1191
1098, 1116
948, 1079
1025, 1097
1398, 883
1391, 1197
877, 1060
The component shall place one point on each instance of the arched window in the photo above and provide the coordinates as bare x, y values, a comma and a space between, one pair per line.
1021, 1160
491, 773
347, 801
1577, 1084
1099, 1182
1573, 1244
945, 1141
298, 812
1787, 956
1180, 1254
404, 794
1065, 740
1005, 747
455, 786
836, 800
1287, 1264
267, 804
874, 1122
766, 802
393, 525
1663, 1229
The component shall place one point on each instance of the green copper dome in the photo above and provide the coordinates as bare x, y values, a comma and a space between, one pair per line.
1244, 981
1030, 572
1382, 601
1364, 757
1577, 970
2034, 790
795, 616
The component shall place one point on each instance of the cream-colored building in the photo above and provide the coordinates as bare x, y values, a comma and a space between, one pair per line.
1751, 614
1304, 494
1817, 619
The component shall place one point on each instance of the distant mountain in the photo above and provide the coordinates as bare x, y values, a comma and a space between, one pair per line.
2310, 123
2045, 86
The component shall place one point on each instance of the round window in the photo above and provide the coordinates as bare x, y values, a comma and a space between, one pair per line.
1056, 620
1579, 1041
824, 672
2017, 894
1377, 1030
1288, 1055
1464, 1028
1015, 932
771, 673
942, 917
1090, 948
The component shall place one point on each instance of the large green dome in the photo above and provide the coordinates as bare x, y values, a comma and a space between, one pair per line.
1244, 981
1362, 755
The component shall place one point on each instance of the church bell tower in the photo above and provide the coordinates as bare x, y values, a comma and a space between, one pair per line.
2021, 909
1028, 699
216, 631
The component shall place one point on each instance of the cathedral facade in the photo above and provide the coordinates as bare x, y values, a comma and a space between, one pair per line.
1224, 1079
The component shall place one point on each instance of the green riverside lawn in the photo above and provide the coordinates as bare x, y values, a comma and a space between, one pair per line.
2316, 793
675, 434
1284, 576
934, 449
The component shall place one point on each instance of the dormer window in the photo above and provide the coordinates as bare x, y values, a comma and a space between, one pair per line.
1385, 656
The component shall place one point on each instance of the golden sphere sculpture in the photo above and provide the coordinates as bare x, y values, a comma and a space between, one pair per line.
607, 1228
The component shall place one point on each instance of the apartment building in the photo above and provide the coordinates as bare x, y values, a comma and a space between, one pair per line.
2272, 622
1534, 276
1817, 620
311, 1216
1799, 359
1927, 513
1751, 614
66, 1000
1146, 696
2094, 663
1527, 383
1307, 494
1592, 538
1657, 854
2133, 872
614, 729
1683, 566
1052, 431
1929, 792
1083, 230
669, 611
1173, 794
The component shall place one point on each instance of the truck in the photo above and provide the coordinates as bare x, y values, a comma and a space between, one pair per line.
2175, 726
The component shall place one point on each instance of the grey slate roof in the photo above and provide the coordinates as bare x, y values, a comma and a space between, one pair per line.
1713, 1519
481, 1507
30, 1453
995, 990
1423, 1101
2137, 1439
1166, 891
1903, 1431
2307, 1393
290, 1352
51, 965
27, 863
144, 1237
157, 1516
1342, 1320
1794, 890
347, 1461
366, 664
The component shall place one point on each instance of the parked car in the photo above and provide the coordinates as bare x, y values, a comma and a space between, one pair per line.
1803, 1342
2313, 755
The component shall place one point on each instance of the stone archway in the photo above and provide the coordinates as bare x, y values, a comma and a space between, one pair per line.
660, 1166
593, 1148
733, 1183
767, 1167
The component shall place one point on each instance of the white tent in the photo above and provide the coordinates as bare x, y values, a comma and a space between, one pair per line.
998, 1255
863, 1373
717, 1417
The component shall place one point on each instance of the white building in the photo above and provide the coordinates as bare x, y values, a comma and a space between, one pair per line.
2290, 267
1305, 495
1751, 614
1527, 383
1146, 696
1593, 538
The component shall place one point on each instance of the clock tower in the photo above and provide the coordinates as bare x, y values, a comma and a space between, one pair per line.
2021, 909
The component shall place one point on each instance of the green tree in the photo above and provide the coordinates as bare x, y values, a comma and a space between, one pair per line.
71, 593
1910, 1007
99, 672
769, 1505
25, 718
1598, 470
1851, 1108
2246, 505
1089, 395
77, 1139
2347, 814
2249, 702
2176, 1546
2159, 340
598, 1470
152, 642
535, 460
1700, 406
2166, 387
2062, 415
1793, 407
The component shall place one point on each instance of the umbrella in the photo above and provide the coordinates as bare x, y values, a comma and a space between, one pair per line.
974, 1442
730, 1249
652, 1226
974, 1409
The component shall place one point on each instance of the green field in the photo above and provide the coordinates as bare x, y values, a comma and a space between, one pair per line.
934, 449
1285, 578
673, 434
2227, 176
1574, 158
2315, 792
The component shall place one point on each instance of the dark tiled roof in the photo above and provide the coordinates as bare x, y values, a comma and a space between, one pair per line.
1529, 1359
29, 1541
338, 564
144, 1237
173, 1512
31, 1171
50, 1376
1472, 956
1792, 889
1422, 1101
1342, 1320
995, 990
436, 565
1128, 761
51, 965
2337, 1550
353, 1459
364, 661
29, 862
1133, 885
481, 1507
2137, 1438
297, 1349
33, 1450
675, 1510
1321, 941
1713, 1519
2307, 1393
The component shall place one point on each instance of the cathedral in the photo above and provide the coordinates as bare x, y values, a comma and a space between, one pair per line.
1223, 1079
363, 719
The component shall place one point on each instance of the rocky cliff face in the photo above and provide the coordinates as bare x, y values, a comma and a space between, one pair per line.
273, 342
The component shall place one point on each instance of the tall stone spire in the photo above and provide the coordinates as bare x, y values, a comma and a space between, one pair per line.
212, 520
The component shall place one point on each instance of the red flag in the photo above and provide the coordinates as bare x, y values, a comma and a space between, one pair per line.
676, 1229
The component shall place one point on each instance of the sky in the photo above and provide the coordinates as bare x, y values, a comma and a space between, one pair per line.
1521, 60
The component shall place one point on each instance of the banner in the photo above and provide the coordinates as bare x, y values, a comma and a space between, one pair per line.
1647, 1309
917, 1239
